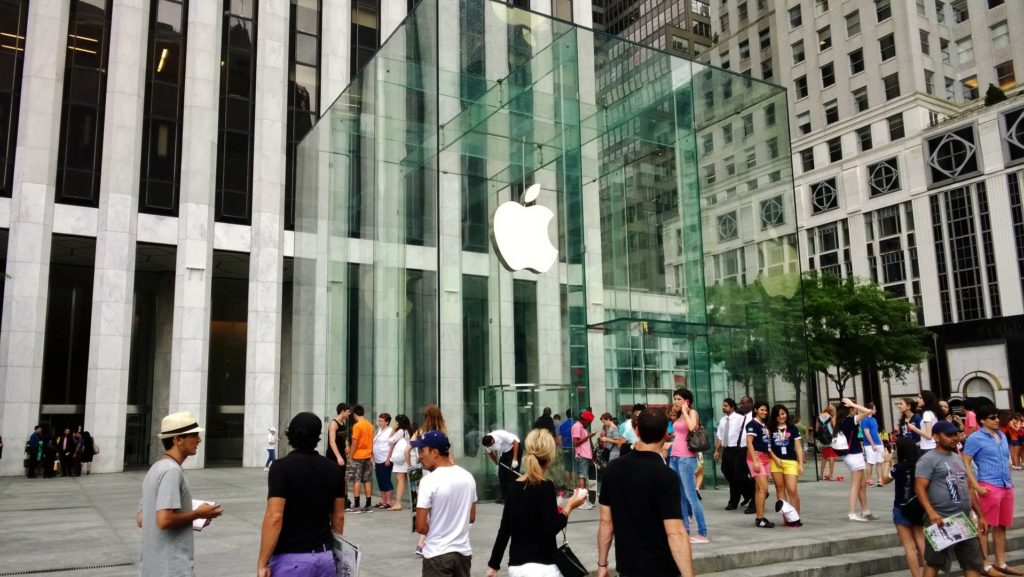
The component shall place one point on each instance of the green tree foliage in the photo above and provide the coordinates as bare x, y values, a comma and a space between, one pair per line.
852, 324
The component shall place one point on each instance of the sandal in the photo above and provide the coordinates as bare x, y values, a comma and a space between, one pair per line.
826, 478
839, 478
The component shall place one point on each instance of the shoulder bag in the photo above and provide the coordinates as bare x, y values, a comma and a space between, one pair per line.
568, 563
697, 441
840, 444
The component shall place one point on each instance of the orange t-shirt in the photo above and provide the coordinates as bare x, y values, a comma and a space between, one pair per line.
362, 440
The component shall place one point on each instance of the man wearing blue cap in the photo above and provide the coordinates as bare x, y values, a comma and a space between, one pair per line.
445, 508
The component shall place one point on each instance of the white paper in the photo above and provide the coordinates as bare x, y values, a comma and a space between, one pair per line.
348, 556
198, 524
953, 530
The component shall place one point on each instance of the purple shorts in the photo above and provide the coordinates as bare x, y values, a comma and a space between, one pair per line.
319, 564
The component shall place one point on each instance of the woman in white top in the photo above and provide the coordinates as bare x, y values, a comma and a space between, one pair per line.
381, 466
929, 416
271, 448
399, 442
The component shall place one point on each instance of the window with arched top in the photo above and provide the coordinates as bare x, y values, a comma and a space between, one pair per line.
980, 387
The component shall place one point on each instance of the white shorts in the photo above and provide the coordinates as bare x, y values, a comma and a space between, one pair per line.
872, 455
533, 570
855, 462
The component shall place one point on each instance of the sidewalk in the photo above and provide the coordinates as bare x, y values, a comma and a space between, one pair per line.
88, 524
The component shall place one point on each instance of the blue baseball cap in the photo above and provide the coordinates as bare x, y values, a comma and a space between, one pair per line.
432, 439
945, 427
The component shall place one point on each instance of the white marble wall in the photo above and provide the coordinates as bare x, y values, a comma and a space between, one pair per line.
22, 331
266, 264
110, 335
193, 269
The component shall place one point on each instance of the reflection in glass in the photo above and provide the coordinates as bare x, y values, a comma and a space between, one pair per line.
13, 22
303, 89
237, 113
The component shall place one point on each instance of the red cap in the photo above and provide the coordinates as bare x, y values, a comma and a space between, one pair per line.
587, 417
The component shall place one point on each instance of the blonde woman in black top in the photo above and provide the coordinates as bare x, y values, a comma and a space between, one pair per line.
531, 518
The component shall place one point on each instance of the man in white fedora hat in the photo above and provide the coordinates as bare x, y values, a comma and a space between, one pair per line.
165, 509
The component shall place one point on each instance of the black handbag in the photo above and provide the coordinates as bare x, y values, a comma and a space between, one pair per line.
697, 441
568, 563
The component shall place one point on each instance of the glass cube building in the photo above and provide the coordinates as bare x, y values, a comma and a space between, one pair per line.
664, 185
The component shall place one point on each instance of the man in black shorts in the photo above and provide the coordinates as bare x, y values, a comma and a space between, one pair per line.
640, 509
941, 488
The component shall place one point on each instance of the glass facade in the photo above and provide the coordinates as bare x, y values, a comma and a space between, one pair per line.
529, 222
13, 21
237, 112
303, 89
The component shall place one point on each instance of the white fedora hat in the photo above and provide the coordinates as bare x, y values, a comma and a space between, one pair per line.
182, 423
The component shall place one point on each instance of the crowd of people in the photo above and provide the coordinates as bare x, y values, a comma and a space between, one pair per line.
650, 468
51, 454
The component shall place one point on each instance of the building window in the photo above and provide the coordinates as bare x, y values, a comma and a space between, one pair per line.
767, 73
944, 49
993, 3
764, 38
963, 246
1000, 34
709, 174
748, 126
965, 50
365, 38
730, 165
744, 51
562, 9
864, 138
84, 104
708, 141
892, 85
798, 52
824, 196
922, 10
940, 11
884, 177
824, 39
803, 121
723, 22
1017, 212
926, 47
831, 112
801, 87
13, 24
883, 10
950, 89
725, 60
237, 113
895, 122
727, 88
161, 125
769, 114
795, 17
1005, 77
727, 133
940, 259
835, 149
853, 24
820, 7
807, 159
744, 14
887, 47
303, 89
929, 82
969, 88
1013, 134
860, 99
960, 13
857, 61
773, 148
772, 212
727, 229
952, 155
751, 158
828, 75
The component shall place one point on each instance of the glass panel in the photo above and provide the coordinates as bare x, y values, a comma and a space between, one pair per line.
602, 155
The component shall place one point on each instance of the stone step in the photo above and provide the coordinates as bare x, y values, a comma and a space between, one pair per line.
862, 557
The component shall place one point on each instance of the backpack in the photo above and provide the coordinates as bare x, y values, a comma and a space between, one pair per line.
822, 433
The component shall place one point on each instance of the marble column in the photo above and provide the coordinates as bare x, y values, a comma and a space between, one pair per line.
110, 336
190, 340
23, 330
266, 260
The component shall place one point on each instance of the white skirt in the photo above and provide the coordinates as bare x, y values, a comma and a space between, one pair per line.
534, 570
398, 457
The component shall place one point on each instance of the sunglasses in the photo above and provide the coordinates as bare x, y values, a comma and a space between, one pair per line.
996, 417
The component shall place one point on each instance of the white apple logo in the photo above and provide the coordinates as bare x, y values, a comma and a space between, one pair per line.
521, 234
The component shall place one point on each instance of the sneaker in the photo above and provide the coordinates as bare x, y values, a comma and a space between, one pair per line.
586, 506
750, 509
419, 551
794, 524
869, 516
857, 518
764, 523
265, 469
366, 509
699, 539
1007, 570
351, 509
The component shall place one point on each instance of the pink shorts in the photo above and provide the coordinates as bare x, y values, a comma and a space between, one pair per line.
997, 505
765, 465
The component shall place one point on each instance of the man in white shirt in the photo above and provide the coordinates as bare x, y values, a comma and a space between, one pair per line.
504, 443
445, 508
729, 451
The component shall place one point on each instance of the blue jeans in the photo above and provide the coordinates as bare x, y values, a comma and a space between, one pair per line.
271, 455
686, 469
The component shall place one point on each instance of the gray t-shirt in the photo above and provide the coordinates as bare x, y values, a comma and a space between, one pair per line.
165, 552
612, 434
947, 482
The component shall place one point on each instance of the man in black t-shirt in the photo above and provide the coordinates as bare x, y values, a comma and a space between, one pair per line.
640, 509
305, 502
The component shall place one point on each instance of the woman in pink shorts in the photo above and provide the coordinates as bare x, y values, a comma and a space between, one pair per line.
759, 458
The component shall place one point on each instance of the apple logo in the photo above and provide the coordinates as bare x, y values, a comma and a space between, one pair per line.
521, 234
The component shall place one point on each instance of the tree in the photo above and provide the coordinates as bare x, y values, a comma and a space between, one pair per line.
852, 324
994, 95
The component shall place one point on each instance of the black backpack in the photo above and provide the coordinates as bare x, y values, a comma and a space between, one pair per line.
822, 435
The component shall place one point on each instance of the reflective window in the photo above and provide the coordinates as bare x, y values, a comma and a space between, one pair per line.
365, 37
85, 95
13, 21
860, 99
887, 46
303, 89
864, 138
896, 130
237, 110
892, 85
165, 95
835, 149
857, 61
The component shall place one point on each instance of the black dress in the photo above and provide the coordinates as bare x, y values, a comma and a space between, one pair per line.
532, 522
